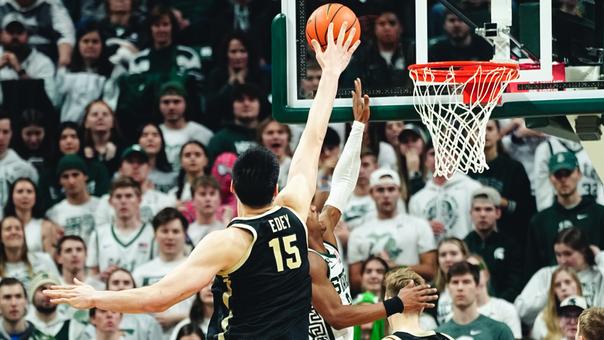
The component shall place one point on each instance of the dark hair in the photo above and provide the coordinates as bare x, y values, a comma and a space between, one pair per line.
120, 269
11, 281
102, 66
374, 258
156, 13
125, 182
576, 239
222, 53
56, 149
11, 210
66, 238
255, 175
190, 329
182, 175
23, 257
31, 117
204, 182
167, 215
161, 160
240, 91
332, 138
463, 268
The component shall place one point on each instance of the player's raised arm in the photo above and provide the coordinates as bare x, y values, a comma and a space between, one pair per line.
302, 175
346, 172
207, 259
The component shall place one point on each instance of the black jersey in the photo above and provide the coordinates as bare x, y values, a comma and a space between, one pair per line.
268, 294
400, 335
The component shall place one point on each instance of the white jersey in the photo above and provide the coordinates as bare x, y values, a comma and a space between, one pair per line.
589, 184
75, 219
151, 203
175, 139
318, 328
108, 247
11, 168
449, 204
198, 231
33, 235
404, 238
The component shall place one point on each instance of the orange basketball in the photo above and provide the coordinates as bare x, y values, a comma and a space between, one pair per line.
316, 26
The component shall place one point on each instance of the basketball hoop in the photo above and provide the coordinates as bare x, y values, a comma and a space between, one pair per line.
454, 100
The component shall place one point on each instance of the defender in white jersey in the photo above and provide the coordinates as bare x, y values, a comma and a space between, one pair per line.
332, 312
127, 242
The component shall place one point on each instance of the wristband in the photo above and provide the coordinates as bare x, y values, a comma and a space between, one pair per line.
394, 305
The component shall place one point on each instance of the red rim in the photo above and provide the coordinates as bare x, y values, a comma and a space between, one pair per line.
463, 69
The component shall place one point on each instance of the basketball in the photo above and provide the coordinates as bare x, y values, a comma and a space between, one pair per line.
319, 20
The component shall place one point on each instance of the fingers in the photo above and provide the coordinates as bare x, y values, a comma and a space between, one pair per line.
351, 35
316, 46
357, 86
354, 47
366, 100
342, 33
330, 41
427, 305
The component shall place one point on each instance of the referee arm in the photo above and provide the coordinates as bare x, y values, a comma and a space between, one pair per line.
302, 177
218, 251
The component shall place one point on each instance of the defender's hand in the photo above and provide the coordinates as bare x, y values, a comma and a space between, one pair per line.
337, 55
417, 298
80, 295
360, 103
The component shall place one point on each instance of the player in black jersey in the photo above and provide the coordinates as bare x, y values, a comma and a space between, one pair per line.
332, 311
260, 260
405, 325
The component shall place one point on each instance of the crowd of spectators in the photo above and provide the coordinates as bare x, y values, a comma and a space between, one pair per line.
119, 127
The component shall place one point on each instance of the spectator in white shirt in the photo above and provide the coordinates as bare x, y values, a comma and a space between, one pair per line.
206, 200
151, 139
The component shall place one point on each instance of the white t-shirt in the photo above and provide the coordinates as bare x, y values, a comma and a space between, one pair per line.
75, 219
357, 209
185, 195
109, 247
163, 181
151, 272
198, 231
40, 262
33, 230
175, 139
403, 238
133, 327
151, 203
449, 204
503, 311
11, 168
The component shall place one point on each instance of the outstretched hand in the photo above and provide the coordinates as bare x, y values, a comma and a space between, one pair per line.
360, 103
337, 55
416, 298
79, 295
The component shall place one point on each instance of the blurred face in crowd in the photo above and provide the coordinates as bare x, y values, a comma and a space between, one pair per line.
569, 257
237, 55
119, 280
150, 140
193, 159
368, 165
388, 28
463, 290
456, 29
161, 32
275, 137
171, 238
373, 276
5, 135
492, 135
13, 303
120, 6
12, 233
135, 167
392, 130
126, 202
565, 182
24, 195
310, 83
386, 197
246, 109
73, 182
192, 336
172, 107
429, 160
90, 46
329, 153
42, 302
106, 321
32, 136
410, 141
484, 215
448, 254
14, 37
206, 200
99, 118
565, 285
69, 142
72, 256
568, 321
206, 296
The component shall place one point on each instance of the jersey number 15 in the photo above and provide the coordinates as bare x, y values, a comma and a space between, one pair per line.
292, 254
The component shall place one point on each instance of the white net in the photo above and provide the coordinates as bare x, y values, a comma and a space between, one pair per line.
458, 126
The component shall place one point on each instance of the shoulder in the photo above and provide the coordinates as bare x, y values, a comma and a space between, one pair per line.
186, 51
417, 222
